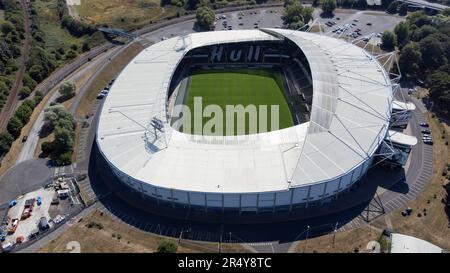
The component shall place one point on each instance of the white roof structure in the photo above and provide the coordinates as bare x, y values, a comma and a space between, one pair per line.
401, 138
401, 243
403, 106
352, 101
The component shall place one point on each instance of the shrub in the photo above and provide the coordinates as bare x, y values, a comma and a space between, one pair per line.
166, 247
14, 126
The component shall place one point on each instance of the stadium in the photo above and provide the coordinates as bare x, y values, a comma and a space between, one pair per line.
334, 99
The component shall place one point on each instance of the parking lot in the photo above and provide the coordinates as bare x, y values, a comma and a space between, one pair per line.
32, 214
367, 22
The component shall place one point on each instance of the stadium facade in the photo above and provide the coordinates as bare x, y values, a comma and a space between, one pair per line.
349, 100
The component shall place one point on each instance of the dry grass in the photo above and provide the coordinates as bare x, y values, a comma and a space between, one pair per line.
126, 14
109, 72
344, 242
434, 226
119, 238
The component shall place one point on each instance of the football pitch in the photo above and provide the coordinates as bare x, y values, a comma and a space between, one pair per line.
239, 87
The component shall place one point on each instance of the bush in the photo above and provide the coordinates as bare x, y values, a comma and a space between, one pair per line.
14, 126
6, 140
24, 92
328, 6
24, 112
388, 40
67, 89
166, 247
47, 147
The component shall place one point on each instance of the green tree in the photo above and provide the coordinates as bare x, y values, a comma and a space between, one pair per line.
348, 3
192, 4
432, 53
67, 89
64, 140
439, 88
205, 17
166, 247
7, 27
393, 7
386, 3
423, 32
24, 91
402, 32
24, 112
361, 4
410, 60
328, 6
295, 13
6, 141
388, 40
403, 9
14, 126
57, 115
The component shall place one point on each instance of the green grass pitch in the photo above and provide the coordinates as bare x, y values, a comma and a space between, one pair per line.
240, 87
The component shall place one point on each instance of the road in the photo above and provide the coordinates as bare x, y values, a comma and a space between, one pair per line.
29, 147
13, 97
425, 4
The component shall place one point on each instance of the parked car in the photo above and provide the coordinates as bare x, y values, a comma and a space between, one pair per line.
426, 131
423, 124
39, 201
12, 203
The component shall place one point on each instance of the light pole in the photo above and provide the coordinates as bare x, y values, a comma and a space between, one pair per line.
306, 240
334, 234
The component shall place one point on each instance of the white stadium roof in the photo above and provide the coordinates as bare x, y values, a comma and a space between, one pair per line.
352, 100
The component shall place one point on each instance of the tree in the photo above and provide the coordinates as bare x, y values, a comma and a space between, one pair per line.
392, 8
25, 91
47, 147
14, 126
6, 140
192, 4
64, 140
402, 32
67, 89
295, 14
348, 3
57, 116
439, 88
205, 17
403, 9
7, 27
64, 159
361, 4
423, 32
386, 3
410, 60
388, 40
24, 112
166, 247
328, 6
432, 52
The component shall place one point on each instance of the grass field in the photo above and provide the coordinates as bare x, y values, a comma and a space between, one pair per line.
239, 87
126, 14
